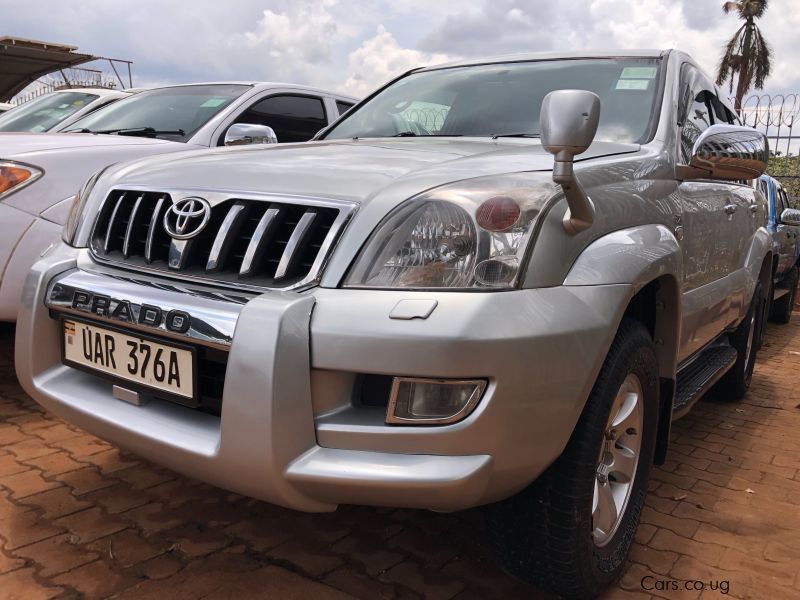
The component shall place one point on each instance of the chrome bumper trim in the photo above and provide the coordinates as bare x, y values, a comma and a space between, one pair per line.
212, 316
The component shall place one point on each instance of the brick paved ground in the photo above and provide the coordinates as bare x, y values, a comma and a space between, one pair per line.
78, 518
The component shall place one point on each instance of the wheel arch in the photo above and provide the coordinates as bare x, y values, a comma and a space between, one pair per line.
649, 258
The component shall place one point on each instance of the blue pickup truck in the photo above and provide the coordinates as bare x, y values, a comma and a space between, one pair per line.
784, 224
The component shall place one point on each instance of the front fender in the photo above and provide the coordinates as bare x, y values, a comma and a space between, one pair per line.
641, 256
637, 255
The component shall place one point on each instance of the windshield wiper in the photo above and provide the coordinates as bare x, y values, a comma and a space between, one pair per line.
412, 134
81, 130
140, 131
518, 135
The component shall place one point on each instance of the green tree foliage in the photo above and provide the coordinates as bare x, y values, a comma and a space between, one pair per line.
786, 169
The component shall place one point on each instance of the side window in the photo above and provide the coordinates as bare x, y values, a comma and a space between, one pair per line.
764, 186
343, 106
721, 114
784, 202
697, 112
294, 118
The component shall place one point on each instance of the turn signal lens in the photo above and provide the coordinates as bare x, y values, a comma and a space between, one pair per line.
498, 214
14, 175
432, 401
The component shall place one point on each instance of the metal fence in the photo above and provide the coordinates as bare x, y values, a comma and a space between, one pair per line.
67, 78
775, 115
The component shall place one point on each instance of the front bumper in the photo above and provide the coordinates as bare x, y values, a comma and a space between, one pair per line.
289, 431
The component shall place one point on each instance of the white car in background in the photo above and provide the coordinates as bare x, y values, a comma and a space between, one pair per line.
4, 106
40, 174
56, 110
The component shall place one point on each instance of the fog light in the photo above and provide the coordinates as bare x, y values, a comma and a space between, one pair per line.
432, 401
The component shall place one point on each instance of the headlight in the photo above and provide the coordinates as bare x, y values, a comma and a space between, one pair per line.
15, 176
76, 210
469, 235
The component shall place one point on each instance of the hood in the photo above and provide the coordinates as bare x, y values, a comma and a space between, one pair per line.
20, 145
354, 170
69, 159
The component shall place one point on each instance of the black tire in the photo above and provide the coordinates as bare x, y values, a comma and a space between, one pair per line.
781, 311
544, 534
734, 384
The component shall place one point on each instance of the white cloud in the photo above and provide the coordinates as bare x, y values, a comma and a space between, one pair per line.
696, 26
358, 44
379, 59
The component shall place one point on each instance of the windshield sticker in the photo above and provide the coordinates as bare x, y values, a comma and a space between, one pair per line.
633, 84
638, 73
213, 102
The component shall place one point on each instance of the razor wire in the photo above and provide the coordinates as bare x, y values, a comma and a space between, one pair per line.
776, 115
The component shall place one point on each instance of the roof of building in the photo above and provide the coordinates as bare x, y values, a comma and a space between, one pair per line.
24, 61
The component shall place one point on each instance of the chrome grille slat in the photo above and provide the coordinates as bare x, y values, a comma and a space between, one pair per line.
225, 237
295, 243
258, 243
112, 222
126, 245
251, 241
152, 229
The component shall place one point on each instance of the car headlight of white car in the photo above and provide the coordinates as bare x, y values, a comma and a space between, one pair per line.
78, 205
471, 235
16, 175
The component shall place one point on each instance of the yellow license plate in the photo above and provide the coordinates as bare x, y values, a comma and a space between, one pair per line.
131, 358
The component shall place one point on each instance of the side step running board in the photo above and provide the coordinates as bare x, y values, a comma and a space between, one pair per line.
697, 377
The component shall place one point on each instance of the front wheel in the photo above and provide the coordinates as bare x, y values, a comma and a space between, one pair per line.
570, 531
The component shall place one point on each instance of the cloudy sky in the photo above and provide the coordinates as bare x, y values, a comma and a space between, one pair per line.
355, 45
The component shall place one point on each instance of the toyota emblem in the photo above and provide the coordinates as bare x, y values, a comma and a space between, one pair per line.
187, 217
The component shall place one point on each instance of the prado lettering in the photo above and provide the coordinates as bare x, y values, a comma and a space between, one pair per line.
177, 321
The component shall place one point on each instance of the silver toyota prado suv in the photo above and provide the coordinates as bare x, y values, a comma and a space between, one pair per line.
492, 282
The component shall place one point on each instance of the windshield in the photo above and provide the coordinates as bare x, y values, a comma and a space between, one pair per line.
505, 99
45, 112
174, 113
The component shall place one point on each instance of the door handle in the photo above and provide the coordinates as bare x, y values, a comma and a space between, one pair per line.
730, 209
754, 208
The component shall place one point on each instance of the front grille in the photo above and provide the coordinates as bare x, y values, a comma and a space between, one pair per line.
246, 241
211, 365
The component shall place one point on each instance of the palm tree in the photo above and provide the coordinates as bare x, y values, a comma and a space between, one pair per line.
747, 54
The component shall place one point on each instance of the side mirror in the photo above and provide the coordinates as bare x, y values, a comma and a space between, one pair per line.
568, 123
790, 216
240, 134
728, 152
